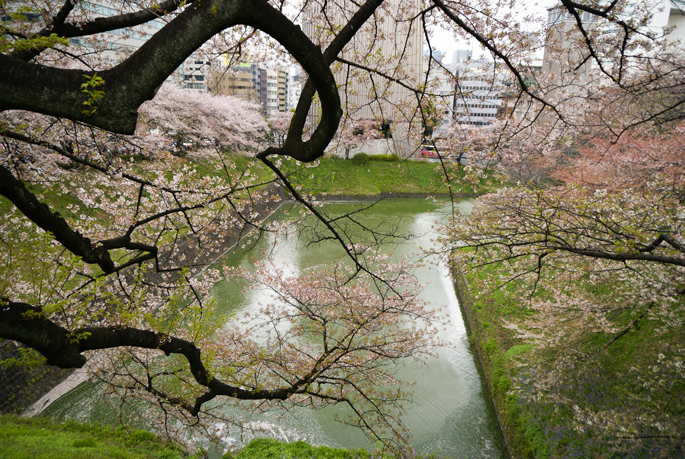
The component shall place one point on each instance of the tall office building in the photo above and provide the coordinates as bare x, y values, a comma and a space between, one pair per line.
294, 87
120, 43
276, 90
391, 44
462, 55
243, 80
565, 60
398, 54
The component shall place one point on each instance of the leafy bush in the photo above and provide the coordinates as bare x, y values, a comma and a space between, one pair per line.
390, 158
265, 448
140, 436
85, 443
360, 159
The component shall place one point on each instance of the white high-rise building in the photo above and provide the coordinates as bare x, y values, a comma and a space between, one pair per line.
194, 72
462, 55
295, 87
121, 42
477, 99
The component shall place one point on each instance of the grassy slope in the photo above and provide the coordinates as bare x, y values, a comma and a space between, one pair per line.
336, 176
37, 438
264, 448
603, 384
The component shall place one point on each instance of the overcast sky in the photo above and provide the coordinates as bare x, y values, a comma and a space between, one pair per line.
444, 41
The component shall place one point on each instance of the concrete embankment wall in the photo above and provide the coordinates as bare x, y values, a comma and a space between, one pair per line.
478, 337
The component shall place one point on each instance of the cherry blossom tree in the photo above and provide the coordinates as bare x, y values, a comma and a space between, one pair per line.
223, 121
320, 340
591, 256
356, 134
278, 125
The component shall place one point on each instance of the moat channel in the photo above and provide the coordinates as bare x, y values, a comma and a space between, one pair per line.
451, 414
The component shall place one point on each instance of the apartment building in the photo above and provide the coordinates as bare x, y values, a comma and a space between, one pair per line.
243, 80
276, 90
267, 86
271, 91
282, 88
194, 73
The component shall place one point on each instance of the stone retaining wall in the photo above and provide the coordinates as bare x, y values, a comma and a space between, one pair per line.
478, 337
20, 385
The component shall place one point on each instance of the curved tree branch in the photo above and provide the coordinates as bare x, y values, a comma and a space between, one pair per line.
40, 214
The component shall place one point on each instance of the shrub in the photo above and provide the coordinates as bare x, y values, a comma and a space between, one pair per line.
390, 158
135, 158
360, 159
139, 436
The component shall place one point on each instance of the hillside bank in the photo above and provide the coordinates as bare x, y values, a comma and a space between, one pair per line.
582, 398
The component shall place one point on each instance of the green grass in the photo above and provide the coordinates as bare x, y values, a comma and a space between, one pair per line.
337, 176
37, 438
264, 448
41, 438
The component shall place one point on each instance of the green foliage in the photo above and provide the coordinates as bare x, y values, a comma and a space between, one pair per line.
518, 349
391, 158
88, 442
140, 436
265, 448
34, 43
360, 159
91, 89
39, 438
621, 382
